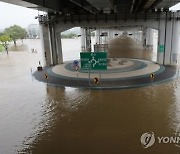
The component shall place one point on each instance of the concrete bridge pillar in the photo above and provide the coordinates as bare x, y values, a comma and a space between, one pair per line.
161, 42
149, 38
51, 45
168, 42
110, 34
97, 34
88, 40
144, 41
175, 42
44, 35
59, 48
140, 36
52, 40
104, 37
85, 40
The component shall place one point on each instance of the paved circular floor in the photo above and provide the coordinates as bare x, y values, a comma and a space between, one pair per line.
121, 73
117, 69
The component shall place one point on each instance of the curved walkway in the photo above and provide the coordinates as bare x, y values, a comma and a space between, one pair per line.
121, 73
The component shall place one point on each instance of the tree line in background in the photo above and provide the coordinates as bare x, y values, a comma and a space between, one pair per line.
71, 35
12, 33
15, 32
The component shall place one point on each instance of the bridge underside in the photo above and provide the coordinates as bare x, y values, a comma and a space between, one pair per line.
80, 10
78, 7
167, 24
109, 14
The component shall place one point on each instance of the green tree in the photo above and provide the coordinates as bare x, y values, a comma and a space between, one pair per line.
4, 41
70, 35
1, 33
15, 32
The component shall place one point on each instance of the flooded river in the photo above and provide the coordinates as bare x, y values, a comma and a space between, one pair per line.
42, 119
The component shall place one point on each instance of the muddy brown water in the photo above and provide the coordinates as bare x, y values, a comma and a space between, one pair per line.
43, 119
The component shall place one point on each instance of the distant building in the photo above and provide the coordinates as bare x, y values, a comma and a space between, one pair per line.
33, 31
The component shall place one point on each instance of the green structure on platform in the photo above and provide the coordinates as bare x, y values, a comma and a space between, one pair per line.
93, 60
161, 48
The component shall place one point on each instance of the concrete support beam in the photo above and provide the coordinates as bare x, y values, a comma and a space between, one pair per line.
97, 35
161, 41
51, 45
139, 36
52, 40
85, 40
44, 35
88, 40
175, 42
168, 43
149, 37
110, 35
59, 48
144, 41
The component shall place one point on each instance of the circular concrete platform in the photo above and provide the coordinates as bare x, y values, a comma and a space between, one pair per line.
121, 73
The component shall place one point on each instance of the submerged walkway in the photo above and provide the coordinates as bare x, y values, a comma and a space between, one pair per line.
121, 73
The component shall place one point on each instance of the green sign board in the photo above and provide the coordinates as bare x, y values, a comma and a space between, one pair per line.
93, 60
161, 48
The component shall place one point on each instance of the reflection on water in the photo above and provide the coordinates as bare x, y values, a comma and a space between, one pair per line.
21, 47
43, 119
99, 124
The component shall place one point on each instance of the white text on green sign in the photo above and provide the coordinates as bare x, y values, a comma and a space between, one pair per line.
93, 60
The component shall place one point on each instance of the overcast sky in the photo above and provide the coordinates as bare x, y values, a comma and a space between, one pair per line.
176, 7
13, 14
